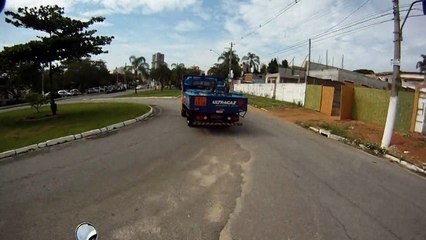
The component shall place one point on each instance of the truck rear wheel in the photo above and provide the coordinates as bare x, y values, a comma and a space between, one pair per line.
183, 111
190, 121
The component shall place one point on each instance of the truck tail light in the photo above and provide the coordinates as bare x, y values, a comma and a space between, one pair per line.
200, 118
200, 101
240, 102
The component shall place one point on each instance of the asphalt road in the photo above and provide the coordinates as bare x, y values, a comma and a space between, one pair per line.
159, 179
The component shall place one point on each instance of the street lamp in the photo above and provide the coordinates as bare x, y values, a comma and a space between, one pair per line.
211, 50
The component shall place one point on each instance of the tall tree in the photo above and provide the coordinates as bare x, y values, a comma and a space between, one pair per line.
83, 74
214, 70
193, 70
15, 77
364, 71
225, 57
273, 66
66, 38
421, 65
263, 69
252, 60
284, 63
178, 70
138, 64
161, 74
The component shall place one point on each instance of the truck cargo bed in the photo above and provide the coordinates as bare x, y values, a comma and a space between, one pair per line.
205, 102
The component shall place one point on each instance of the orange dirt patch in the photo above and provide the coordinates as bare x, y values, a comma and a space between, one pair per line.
411, 147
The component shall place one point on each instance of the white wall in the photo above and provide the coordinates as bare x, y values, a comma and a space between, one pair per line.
257, 89
289, 92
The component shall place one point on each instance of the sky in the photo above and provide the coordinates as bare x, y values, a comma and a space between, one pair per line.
357, 34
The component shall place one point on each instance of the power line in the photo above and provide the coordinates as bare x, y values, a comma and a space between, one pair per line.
350, 14
350, 31
327, 12
335, 33
279, 13
303, 43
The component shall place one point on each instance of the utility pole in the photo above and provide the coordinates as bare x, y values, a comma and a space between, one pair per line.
308, 63
396, 62
124, 71
343, 60
308, 66
326, 58
230, 63
42, 81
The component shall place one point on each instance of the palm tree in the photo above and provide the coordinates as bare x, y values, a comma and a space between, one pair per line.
252, 60
161, 74
225, 57
179, 70
421, 65
138, 64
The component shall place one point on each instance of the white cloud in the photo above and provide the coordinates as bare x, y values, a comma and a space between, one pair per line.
14, 5
150, 30
178, 37
187, 26
201, 11
143, 6
271, 31
97, 12
104, 24
111, 6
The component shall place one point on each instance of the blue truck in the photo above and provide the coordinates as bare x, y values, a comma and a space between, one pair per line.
206, 102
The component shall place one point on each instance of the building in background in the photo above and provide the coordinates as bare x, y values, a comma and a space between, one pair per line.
157, 60
291, 74
410, 80
326, 72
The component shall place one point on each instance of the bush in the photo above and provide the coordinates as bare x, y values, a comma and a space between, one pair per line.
36, 100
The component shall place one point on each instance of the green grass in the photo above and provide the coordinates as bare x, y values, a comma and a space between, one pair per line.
334, 129
262, 102
155, 93
372, 148
24, 127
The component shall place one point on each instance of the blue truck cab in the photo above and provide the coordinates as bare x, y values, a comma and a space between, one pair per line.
206, 101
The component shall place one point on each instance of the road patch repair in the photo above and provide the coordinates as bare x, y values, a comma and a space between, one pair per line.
70, 138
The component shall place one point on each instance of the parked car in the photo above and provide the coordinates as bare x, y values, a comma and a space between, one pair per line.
111, 89
92, 90
64, 93
56, 95
75, 92
121, 88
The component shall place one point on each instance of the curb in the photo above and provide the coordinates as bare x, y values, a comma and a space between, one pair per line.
392, 158
131, 98
70, 138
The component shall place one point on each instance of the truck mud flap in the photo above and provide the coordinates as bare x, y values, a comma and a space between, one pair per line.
216, 124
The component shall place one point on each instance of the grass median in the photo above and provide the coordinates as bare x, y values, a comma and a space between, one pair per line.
263, 102
19, 128
155, 93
